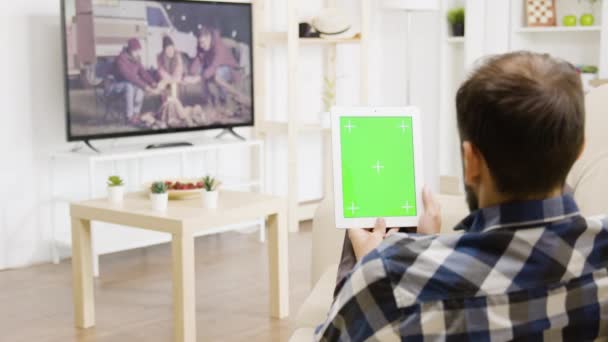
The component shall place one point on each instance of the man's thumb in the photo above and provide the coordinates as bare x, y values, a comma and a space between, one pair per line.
380, 226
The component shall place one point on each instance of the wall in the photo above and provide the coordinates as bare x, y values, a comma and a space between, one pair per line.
33, 115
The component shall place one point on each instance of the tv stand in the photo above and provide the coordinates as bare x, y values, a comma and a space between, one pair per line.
89, 145
230, 131
170, 144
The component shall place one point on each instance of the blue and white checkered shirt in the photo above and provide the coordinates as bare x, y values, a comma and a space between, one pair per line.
533, 270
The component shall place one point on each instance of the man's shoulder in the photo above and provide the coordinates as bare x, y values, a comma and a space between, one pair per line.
428, 268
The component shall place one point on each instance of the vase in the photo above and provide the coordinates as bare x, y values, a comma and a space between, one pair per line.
160, 202
116, 194
210, 199
458, 29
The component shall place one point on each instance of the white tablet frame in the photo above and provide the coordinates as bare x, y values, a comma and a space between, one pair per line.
368, 222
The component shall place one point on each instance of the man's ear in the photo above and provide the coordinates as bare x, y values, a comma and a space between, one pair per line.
471, 159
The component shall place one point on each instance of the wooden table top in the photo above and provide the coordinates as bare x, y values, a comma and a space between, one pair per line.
185, 214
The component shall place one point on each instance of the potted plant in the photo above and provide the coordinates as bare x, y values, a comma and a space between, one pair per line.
210, 194
329, 99
116, 189
587, 19
159, 196
456, 20
588, 74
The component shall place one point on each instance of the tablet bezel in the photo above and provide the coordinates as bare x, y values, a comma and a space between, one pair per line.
368, 222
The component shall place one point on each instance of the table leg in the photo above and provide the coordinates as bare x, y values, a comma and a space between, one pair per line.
278, 265
184, 299
82, 274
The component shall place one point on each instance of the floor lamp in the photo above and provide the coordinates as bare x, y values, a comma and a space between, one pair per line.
410, 6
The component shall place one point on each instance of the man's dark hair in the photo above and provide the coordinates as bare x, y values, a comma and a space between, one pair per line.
525, 114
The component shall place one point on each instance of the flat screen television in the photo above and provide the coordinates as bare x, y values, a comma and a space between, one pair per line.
135, 67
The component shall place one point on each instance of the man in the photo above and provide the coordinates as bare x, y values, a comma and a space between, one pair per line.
528, 266
132, 79
215, 64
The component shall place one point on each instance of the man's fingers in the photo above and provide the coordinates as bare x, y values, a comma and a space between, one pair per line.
391, 232
431, 205
380, 226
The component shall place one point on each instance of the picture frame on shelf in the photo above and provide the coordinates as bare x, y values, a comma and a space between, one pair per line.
540, 13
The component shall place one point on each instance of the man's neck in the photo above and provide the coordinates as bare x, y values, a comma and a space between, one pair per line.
494, 198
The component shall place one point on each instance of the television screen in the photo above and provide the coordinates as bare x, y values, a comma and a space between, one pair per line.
143, 67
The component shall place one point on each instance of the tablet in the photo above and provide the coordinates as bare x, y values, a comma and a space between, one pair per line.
377, 166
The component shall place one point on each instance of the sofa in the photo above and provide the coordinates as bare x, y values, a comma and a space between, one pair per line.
588, 180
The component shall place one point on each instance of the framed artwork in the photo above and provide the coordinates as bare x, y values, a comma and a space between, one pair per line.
540, 13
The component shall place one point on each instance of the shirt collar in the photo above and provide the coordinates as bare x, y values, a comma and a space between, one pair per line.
520, 214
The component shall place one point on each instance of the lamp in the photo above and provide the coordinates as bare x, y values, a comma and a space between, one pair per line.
410, 6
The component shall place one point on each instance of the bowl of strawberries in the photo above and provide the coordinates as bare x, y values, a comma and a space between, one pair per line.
184, 188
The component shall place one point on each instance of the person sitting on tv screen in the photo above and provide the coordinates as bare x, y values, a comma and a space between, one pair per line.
132, 79
170, 64
215, 63
528, 266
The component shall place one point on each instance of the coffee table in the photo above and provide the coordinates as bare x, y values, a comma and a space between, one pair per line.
183, 219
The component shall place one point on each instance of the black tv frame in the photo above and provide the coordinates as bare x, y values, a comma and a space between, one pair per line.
73, 138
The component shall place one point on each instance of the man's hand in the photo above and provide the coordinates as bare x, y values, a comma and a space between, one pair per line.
430, 220
364, 240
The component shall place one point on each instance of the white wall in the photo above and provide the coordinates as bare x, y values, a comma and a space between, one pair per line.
33, 114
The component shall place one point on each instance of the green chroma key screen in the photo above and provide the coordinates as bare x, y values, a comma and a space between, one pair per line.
378, 178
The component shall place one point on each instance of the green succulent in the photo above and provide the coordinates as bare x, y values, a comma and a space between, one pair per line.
456, 15
210, 183
115, 181
158, 188
588, 69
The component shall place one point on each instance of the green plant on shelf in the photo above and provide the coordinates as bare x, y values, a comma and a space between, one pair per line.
588, 69
329, 93
158, 188
210, 183
456, 15
115, 181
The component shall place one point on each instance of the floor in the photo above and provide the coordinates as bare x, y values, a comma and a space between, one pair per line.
133, 294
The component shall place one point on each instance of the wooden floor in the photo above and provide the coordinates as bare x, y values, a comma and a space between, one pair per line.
133, 294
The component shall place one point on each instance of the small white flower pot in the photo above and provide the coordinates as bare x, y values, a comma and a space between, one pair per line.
586, 79
159, 201
116, 194
210, 199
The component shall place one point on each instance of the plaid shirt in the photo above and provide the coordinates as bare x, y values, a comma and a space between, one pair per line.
533, 270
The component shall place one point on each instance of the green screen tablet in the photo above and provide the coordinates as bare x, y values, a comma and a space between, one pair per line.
377, 168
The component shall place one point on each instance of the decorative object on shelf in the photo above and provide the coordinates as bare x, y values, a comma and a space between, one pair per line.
116, 189
210, 195
332, 22
307, 31
329, 99
569, 20
540, 13
159, 196
587, 19
588, 75
456, 20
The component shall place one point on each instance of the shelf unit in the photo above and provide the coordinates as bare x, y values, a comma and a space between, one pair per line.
576, 44
292, 128
558, 29
497, 27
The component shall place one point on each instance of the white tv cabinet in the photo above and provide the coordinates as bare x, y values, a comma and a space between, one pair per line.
134, 238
